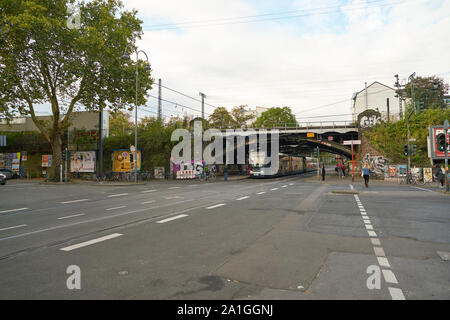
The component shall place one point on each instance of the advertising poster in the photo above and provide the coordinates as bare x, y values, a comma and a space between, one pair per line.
82, 161
159, 172
427, 175
402, 170
122, 163
392, 171
46, 161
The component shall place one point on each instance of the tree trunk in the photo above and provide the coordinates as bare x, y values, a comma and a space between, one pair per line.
56, 144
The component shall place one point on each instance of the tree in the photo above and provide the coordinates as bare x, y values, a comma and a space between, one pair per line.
120, 123
221, 119
241, 117
276, 117
429, 90
45, 59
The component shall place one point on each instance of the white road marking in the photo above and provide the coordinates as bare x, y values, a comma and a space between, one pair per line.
14, 210
147, 202
368, 226
74, 201
389, 276
261, 192
173, 218
243, 198
383, 261
273, 189
72, 216
216, 206
284, 186
9, 228
116, 208
423, 189
117, 195
147, 191
88, 243
375, 242
291, 184
396, 293
371, 233
379, 252
366, 220
173, 188
351, 187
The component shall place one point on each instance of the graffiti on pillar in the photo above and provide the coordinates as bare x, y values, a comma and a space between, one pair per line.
368, 119
377, 164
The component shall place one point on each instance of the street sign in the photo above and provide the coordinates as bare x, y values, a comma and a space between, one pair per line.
412, 140
350, 142
330, 138
310, 135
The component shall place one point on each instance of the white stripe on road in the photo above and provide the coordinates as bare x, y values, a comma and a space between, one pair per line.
273, 189
216, 206
88, 243
116, 208
9, 228
396, 293
389, 276
423, 189
243, 198
291, 184
147, 191
375, 242
173, 218
261, 192
351, 187
382, 261
379, 252
74, 201
368, 226
72, 216
14, 210
371, 233
147, 202
173, 188
284, 186
117, 195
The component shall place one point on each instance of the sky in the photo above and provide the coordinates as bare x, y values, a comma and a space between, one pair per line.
310, 55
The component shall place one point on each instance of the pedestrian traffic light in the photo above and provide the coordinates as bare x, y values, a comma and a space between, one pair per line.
405, 148
441, 141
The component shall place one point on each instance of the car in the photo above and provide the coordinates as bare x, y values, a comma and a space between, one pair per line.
2, 179
9, 174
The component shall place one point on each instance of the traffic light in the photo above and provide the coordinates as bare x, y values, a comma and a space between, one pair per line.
441, 142
420, 107
64, 155
405, 150
413, 149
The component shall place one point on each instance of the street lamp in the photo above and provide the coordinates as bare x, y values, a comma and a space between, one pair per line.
126, 56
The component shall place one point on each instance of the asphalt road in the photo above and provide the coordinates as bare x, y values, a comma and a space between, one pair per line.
286, 238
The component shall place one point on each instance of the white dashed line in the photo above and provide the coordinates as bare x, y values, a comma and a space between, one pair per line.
173, 188
90, 242
379, 252
147, 191
147, 202
368, 226
389, 276
14, 210
371, 233
243, 198
273, 189
216, 206
172, 218
72, 216
9, 228
383, 261
284, 186
396, 293
74, 201
375, 242
117, 195
261, 192
116, 208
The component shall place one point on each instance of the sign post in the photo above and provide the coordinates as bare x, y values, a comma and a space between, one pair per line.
446, 155
352, 142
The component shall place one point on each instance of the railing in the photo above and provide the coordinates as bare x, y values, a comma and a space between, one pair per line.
316, 125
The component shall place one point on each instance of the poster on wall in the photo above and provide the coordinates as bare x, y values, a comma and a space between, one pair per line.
46, 161
122, 163
159, 172
82, 161
392, 171
427, 175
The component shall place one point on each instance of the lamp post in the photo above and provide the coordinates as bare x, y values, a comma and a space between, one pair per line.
147, 66
411, 78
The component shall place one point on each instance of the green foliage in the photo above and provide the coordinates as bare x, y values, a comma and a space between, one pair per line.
276, 117
390, 138
221, 119
426, 92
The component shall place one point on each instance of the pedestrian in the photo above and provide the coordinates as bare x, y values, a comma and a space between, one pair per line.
440, 176
366, 174
225, 173
323, 172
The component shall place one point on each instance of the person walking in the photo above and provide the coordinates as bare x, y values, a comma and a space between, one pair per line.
323, 172
366, 174
440, 176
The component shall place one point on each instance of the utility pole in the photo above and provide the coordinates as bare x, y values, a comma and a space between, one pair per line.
367, 97
203, 104
100, 143
159, 100
387, 105
409, 147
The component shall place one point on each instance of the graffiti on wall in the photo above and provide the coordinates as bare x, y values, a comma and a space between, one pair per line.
377, 164
369, 118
